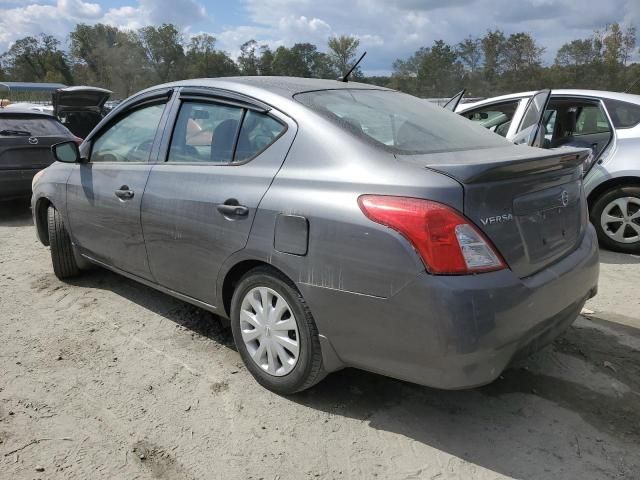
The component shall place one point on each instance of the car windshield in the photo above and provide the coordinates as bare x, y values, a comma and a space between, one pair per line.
36, 126
399, 122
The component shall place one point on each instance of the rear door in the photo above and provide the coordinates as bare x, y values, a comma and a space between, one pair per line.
25, 148
201, 199
531, 130
105, 192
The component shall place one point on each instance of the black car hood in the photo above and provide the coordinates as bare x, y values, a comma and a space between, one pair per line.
79, 98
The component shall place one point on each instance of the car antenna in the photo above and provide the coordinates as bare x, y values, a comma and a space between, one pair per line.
345, 77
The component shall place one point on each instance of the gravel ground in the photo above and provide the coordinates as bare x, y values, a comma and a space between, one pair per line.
104, 378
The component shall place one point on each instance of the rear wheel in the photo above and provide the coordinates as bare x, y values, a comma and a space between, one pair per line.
62, 257
275, 333
616, 216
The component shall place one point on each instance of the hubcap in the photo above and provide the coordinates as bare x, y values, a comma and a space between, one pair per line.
620, 220
269, 331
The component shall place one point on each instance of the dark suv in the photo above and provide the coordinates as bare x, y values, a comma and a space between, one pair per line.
26, 137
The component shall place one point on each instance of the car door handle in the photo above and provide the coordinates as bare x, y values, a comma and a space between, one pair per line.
231, 210
124, 193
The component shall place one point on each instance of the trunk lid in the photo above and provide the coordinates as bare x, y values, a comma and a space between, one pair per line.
529, 202
79, 98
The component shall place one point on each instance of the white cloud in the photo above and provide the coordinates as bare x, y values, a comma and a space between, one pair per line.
388, 29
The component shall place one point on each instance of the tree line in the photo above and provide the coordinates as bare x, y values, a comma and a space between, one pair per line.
127, 61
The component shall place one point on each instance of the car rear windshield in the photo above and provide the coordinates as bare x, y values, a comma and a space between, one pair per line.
399, 122
39, 126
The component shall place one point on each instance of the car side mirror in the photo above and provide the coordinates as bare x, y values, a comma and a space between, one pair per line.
66, 152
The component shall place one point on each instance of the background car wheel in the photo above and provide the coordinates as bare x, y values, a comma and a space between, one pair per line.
64, 262
275, 333
616, 216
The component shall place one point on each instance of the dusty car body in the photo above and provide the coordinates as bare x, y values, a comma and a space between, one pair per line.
26, 137
348, 224
606, 122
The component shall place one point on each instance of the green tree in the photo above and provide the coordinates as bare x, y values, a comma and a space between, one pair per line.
522, 62
37, 59
440, 73
163, 47
342, 51
203, 60
493, 45
470, 53
248, 59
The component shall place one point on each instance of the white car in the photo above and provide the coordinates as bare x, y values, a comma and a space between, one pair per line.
606, 122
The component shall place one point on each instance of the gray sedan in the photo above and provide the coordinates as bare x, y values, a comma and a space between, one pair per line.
335, 224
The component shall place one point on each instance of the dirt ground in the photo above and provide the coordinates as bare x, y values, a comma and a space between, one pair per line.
104, 378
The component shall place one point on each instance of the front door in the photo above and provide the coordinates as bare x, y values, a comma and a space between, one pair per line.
104, 193
531, 130
199, 204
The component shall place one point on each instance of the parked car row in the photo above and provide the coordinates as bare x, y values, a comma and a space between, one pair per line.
28, 130
334, 224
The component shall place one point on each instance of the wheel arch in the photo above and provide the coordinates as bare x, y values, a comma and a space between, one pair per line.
40, 217
609, 184
233, 276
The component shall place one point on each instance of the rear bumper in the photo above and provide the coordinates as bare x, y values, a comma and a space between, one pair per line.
16, 183
456, 331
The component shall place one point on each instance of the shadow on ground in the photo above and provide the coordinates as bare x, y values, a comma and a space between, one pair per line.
616, 258
15, 213
500, 426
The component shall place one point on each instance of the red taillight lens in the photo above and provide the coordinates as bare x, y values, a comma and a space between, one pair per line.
447, 242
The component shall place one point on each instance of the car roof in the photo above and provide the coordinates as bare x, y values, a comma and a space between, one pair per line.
281, 86
25, 111
625, 97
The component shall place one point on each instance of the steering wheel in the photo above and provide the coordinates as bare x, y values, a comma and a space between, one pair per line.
139, 150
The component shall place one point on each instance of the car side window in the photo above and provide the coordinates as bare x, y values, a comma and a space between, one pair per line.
495, 117
623, 114
129, 139
590, 120
219, 133
259, 130
205, 132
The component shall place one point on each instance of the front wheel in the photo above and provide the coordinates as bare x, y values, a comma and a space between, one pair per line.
62, 257
616, 217
275, 333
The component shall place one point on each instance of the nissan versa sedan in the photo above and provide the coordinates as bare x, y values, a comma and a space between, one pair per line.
334, 224
606, 122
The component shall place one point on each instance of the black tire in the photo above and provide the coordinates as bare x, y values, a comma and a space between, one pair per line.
62, 257
309, 369
596, 212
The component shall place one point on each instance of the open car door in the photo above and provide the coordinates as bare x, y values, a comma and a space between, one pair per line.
531, 130
455, 100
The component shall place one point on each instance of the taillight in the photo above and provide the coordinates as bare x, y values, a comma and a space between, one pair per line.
447, 242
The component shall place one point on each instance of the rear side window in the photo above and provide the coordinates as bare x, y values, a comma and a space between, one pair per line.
398, 122
36, 126
219, 133
590, 120
623, 114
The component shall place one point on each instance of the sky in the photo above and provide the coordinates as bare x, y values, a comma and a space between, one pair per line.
387, 29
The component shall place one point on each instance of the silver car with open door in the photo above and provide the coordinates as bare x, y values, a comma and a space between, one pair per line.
608, 123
